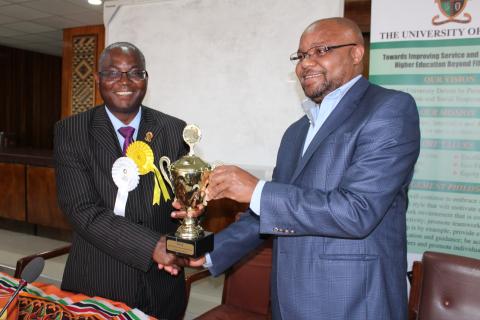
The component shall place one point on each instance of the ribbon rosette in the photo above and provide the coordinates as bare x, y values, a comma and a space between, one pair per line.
125, 175
142, 155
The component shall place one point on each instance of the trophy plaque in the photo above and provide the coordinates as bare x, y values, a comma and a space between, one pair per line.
188, 178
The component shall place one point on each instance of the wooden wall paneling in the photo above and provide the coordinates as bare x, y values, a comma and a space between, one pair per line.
78, 86
42, 205
44, 107
12, 191
30, 99
360, 12
12, 85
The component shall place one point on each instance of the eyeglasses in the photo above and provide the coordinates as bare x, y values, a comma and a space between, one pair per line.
132, 75
316, 51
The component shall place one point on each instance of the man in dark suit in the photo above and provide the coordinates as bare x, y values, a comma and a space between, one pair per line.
337, 201
116, 256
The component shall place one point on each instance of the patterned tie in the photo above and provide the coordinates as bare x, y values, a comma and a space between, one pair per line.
127, 133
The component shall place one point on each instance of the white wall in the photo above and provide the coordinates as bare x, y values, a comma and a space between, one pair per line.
223, 65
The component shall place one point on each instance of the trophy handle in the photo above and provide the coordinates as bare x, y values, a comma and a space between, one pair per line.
165, 162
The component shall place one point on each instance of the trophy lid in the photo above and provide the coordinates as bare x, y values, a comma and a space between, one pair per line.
191, 135
189, 163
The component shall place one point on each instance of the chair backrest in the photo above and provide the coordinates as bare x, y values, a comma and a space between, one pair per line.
247, 284
446, 287
22, 262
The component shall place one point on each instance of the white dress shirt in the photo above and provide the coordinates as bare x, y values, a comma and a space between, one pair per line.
317, 115
117, 124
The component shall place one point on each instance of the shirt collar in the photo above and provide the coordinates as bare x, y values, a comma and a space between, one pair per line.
310, 107
117, 124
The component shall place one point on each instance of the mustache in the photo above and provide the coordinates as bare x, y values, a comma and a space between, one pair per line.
310, 72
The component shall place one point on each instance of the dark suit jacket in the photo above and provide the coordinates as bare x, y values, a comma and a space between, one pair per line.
111, 256
337, 213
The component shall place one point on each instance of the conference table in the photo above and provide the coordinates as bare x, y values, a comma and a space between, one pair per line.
45, 301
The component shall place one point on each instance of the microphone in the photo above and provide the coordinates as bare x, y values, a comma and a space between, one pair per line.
31, 272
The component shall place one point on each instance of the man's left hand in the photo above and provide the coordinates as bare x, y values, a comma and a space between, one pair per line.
181, 214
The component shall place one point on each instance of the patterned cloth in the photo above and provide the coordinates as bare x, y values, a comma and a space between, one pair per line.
45, 301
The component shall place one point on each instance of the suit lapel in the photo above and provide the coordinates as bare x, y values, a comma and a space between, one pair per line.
104, 133
149, 126
150, 129
295, 154
339, 115
301, 136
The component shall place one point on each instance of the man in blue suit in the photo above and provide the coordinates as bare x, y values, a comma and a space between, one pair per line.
337, 201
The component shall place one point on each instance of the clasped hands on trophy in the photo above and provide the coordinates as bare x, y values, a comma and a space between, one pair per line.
194, 183
225, 181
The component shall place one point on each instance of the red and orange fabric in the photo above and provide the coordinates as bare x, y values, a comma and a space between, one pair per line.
45, 301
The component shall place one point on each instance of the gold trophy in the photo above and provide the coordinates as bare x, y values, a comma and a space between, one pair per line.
188, 178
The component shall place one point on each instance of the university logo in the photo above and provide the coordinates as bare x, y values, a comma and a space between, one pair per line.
451, 9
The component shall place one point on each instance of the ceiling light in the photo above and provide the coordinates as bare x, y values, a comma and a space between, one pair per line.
95, 2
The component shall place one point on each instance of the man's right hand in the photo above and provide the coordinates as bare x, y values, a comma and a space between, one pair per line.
164, 259
231, 182
193, 263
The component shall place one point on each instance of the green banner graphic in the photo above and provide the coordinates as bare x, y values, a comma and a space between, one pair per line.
443, 75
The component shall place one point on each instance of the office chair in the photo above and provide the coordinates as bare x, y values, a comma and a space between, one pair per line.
246, 289
444, 287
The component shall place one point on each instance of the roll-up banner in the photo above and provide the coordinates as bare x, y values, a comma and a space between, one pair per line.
431, 49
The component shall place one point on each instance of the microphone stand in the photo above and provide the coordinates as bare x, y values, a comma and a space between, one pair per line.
31, 272
21, 285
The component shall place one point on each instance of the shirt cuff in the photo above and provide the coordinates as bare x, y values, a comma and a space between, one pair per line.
256, 197
208, 261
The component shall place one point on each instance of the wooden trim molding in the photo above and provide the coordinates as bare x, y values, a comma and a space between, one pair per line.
81, 49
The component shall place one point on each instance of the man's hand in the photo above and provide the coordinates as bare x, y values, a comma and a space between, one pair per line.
231, 182
164, 259
181, 214
193, 263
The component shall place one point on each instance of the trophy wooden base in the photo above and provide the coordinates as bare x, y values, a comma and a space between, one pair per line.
190, 248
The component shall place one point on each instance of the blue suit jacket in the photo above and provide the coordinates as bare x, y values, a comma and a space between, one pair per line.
337, 213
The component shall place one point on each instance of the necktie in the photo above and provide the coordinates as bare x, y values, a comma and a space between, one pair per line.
127, 133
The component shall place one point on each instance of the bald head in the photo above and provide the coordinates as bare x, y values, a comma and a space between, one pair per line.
346, 26
124, 47
333, 49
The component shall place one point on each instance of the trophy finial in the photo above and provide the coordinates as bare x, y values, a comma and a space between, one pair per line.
191, 135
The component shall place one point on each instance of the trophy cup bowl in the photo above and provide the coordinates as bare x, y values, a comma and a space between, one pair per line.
188, 178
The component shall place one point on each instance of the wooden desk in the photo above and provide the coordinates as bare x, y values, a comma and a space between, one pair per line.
27, 181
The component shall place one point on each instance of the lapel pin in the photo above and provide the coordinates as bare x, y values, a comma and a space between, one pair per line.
149, 136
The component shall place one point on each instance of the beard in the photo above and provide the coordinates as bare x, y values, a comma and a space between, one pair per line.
318, 93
